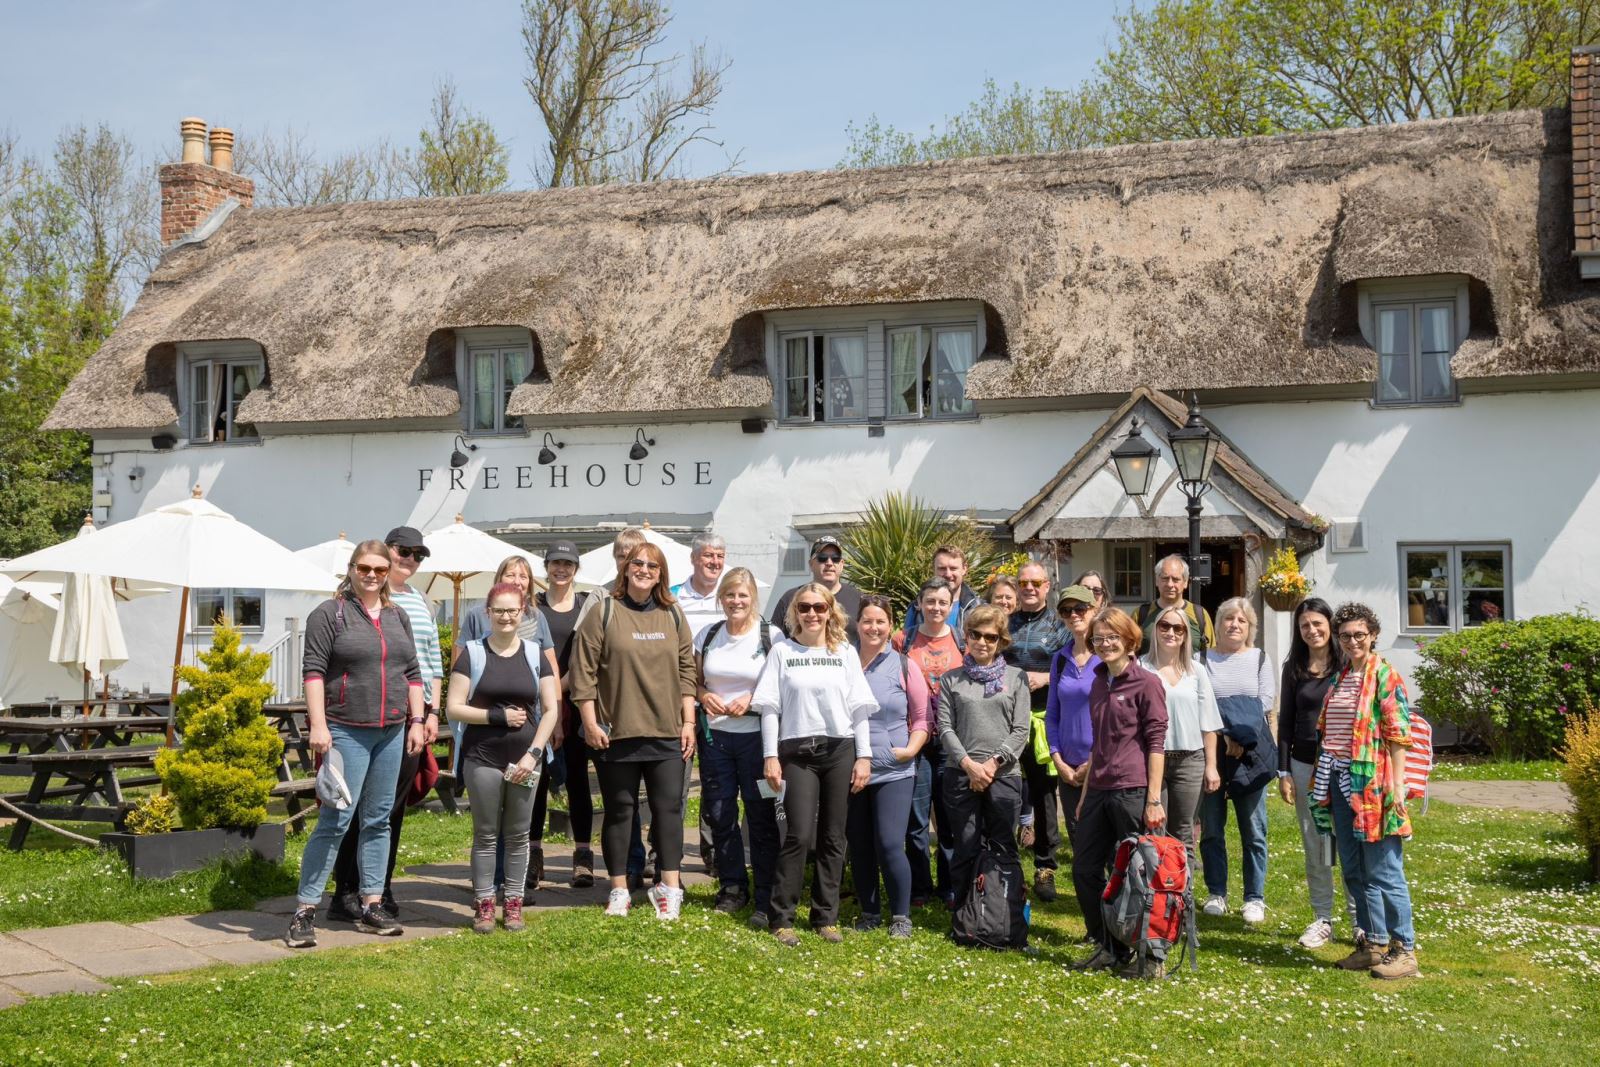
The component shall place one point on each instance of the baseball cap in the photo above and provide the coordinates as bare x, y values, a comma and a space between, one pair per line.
408, 537
826, 541
1075, 592
562, 552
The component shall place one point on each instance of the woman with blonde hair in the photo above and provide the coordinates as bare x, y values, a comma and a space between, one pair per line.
1003, 593
1193, 723
815, 705
1246, 687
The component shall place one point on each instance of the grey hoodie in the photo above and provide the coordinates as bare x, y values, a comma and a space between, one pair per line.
366, 668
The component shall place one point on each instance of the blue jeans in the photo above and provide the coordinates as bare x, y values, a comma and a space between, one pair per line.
730, 767
1375, 875
1251, 810
927, 802
371, 764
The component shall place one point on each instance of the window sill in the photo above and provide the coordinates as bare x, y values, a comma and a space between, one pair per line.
514, 432
1391, 405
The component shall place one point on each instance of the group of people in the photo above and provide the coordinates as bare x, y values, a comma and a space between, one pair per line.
1012, 722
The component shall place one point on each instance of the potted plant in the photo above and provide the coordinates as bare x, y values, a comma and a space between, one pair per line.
221, 777
1282, 585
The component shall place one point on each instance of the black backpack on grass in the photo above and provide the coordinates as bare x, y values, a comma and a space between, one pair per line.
994, 913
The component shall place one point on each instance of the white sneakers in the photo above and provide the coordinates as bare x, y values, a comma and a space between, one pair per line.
1319, 933
668, 902
619, 902
1254, 912
1215, 905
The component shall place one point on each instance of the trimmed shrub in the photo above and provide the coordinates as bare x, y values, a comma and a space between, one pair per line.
1580, 758
1512, 685
154, 815
224, 773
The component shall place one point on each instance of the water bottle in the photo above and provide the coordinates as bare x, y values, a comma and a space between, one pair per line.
1027, 913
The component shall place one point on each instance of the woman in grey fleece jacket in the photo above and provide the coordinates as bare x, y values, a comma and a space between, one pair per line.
984, 719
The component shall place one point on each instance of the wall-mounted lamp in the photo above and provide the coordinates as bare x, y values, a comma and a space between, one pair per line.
547, 454
458, 458
136, 478
163, 442
638, 451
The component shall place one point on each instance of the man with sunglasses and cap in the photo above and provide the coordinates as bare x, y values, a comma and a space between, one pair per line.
827, 569
406, 553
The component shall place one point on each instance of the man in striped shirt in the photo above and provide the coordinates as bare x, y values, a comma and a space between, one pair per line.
406, 553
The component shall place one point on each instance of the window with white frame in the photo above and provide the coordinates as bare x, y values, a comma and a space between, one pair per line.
1415, 341
1451, 586
494, 370
825, 377
928, 367
1128, 571
243, 608
217, 378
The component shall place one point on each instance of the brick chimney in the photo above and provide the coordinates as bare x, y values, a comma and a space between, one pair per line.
192, 189
1585, 133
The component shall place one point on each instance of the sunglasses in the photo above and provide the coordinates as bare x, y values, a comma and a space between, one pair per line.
1098, 591
367, 571
1075, 608
828, 557
986, 636
1172, 627
811, 609
418, 554
644, 565
1033, 583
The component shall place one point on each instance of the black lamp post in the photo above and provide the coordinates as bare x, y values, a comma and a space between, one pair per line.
1194, 449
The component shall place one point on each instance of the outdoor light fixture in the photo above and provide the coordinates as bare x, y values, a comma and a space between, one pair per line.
163, 442
1194, 447
638, 451
458, 458
1135, 459
547, 454
136, 478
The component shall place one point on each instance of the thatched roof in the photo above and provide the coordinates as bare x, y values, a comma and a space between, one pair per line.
1194, 264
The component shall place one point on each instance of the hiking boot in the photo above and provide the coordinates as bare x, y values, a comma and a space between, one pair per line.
731, 899
1399, 963
1319, 933
900, 926
1254, 912
374, 920
302, 931
1147, 969
513, 914
582, 867
1365, 957
1215, 905
483, 916
1044, 884
344, 907
830, 934
535, 866
1102, 960
389, 904
759, 920
867, 923
619, 902
1026, 836
786, 936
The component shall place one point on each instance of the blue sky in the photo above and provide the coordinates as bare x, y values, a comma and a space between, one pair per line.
351, 71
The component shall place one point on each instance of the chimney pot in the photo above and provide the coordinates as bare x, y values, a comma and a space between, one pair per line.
194, 140
222, 148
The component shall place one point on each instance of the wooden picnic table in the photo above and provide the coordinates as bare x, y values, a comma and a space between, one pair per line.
290, 719
89, 775
46, 733
131, 704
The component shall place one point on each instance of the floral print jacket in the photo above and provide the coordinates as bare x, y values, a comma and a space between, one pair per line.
1383, 714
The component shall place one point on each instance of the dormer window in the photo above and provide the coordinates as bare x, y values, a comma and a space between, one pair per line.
217, 377
494, 362
1415, 325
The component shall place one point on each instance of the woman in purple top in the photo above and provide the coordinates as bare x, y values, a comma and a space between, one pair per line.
876, 824
1128, 714
1066, 715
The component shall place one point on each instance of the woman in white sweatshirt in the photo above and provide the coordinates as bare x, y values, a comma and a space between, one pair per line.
814, 703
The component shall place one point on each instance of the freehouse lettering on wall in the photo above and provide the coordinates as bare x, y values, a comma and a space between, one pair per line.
566, 476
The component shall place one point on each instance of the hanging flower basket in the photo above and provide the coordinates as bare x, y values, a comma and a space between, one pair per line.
1282, 585
1282, 601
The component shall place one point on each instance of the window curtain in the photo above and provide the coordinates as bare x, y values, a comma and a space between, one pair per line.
483, 390
200, 402
905, 372
244, 378
215, 397
1436, 350
847, 374
955, 351
514, 367
797, 378
1394, 354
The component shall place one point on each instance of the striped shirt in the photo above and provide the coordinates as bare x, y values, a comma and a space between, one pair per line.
423, 632
1339, 721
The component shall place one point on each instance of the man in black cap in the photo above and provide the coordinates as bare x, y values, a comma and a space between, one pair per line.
827, 569
407, 550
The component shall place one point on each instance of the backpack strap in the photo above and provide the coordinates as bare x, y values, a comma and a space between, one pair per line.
476, 659
765, 637
905, 672
711, 634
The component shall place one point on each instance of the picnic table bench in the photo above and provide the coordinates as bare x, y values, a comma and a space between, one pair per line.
35, 734
89, 775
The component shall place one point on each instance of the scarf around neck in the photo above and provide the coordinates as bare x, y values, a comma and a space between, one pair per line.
992, 677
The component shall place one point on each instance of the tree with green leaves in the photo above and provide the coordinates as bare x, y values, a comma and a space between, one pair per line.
459, 153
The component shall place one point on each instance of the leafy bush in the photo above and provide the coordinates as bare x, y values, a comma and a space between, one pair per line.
156, 814
1580, 757
1513, 684
890, 552
226, 768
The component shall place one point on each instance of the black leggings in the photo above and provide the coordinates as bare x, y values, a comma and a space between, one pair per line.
619, 791
346, 870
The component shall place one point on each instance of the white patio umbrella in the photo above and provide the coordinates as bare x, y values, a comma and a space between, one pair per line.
330, 556
597, 567
28, 602
88, 634
463, 559
192, 544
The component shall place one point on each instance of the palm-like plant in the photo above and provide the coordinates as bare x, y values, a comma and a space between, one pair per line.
890, 552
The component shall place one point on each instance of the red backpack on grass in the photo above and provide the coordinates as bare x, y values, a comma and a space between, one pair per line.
1148, 904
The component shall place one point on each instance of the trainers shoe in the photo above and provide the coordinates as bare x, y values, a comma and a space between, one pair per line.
374, 920
759, 920
582, 867
667, 901
513, 914
830, 934
389, 905
1399, 963
619, 902
867, 923
535, 866
1254, 912
1365, 957
730, 899
1215, 905
1319, 933
900, 926
1102, 960
1147, 969
344, 907
302, 931
1026, 836
785, 935
1044, 884
483, 916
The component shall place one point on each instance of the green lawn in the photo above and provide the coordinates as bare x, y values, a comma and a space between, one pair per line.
1509, 978
1451, 768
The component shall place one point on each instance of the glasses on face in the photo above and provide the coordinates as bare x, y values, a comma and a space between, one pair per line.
1033, 583
1354, 638
368, 571
644, 565
813, 608
1105, 640
505, 613
986, 636
828, 557
1098, 591
418, 554
1172, 627
1075, 608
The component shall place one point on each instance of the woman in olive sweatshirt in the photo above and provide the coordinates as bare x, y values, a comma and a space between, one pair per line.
634, 680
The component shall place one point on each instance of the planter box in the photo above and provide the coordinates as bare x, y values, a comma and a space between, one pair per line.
164, 855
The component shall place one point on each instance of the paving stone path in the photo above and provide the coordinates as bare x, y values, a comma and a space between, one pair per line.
1521, 796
